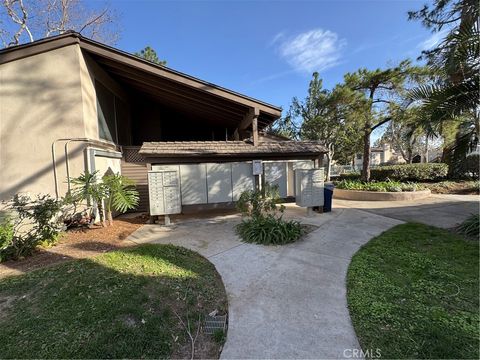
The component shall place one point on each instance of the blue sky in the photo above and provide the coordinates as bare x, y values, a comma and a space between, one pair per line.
269, 49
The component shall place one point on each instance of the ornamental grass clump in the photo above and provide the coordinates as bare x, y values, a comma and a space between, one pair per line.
470, 227
263, 221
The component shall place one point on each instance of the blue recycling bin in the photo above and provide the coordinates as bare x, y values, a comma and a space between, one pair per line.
327, 197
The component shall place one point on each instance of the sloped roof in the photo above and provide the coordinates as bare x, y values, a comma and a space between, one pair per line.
229, 148
150, 75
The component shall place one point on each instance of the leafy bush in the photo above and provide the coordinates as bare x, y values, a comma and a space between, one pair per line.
410, 172
257, 202
6, 237
263, 222
385, 186
33, 222
470, 227
472, 165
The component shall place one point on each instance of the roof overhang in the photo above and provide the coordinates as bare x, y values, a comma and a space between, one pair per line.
173, 86
226, 151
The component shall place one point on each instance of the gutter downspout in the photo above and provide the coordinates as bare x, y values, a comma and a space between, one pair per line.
54, 160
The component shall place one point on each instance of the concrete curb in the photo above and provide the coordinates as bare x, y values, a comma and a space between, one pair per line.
379, 196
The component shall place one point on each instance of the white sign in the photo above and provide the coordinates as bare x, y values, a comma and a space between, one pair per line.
257, 167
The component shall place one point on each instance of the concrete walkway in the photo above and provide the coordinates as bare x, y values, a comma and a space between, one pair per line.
284, 301
445, 211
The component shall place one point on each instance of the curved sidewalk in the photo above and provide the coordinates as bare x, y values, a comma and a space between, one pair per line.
284, 301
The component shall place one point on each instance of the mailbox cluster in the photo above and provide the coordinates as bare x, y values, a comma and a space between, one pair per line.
173, 186
164, 192
309, 187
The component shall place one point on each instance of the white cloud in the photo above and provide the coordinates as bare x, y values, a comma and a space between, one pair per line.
433, 40
314, 50
277, 38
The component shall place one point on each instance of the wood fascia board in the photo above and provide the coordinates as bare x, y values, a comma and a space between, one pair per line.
42, 46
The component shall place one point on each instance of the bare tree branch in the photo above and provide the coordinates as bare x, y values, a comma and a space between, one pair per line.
22, 21
93, 21
44, 18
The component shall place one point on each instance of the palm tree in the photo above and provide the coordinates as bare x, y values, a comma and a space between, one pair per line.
455, 92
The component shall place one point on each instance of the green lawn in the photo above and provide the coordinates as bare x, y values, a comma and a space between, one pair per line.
118, 305
413, 292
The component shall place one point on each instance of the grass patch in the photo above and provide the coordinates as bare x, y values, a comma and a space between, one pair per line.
413, 292
118, 305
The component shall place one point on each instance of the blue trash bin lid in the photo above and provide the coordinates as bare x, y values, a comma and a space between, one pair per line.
329, 186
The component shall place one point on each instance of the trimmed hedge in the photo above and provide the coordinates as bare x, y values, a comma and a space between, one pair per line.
410, 172
349, 176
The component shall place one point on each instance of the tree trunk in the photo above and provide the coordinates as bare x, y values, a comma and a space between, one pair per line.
100, 212
109, 217
329, 165
426, 149
366, 154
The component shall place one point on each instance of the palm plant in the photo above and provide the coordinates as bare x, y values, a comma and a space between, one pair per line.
455, 91
88, 188
121, 194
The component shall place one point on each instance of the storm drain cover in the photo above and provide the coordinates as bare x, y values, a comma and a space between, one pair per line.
214, 323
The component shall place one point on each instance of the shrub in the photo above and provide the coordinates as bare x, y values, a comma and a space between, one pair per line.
470, 227
6, 237
472, 165
410, 172
33, 222
256, 202
262, 221
385, 186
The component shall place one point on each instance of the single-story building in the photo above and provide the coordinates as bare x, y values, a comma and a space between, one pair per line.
69, 104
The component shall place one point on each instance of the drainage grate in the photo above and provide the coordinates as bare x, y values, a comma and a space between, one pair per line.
214, 323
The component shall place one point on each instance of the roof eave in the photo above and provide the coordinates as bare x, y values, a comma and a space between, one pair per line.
70, 38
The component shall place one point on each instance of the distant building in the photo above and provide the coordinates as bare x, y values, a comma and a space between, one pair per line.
379, 156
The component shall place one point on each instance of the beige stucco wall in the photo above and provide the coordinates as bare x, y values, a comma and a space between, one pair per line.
89, 71
40, 101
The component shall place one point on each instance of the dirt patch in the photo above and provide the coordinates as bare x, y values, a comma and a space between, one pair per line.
77, 244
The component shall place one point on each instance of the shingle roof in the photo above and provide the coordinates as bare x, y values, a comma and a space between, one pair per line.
226, 148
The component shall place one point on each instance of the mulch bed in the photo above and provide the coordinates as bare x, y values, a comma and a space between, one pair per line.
76, 244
